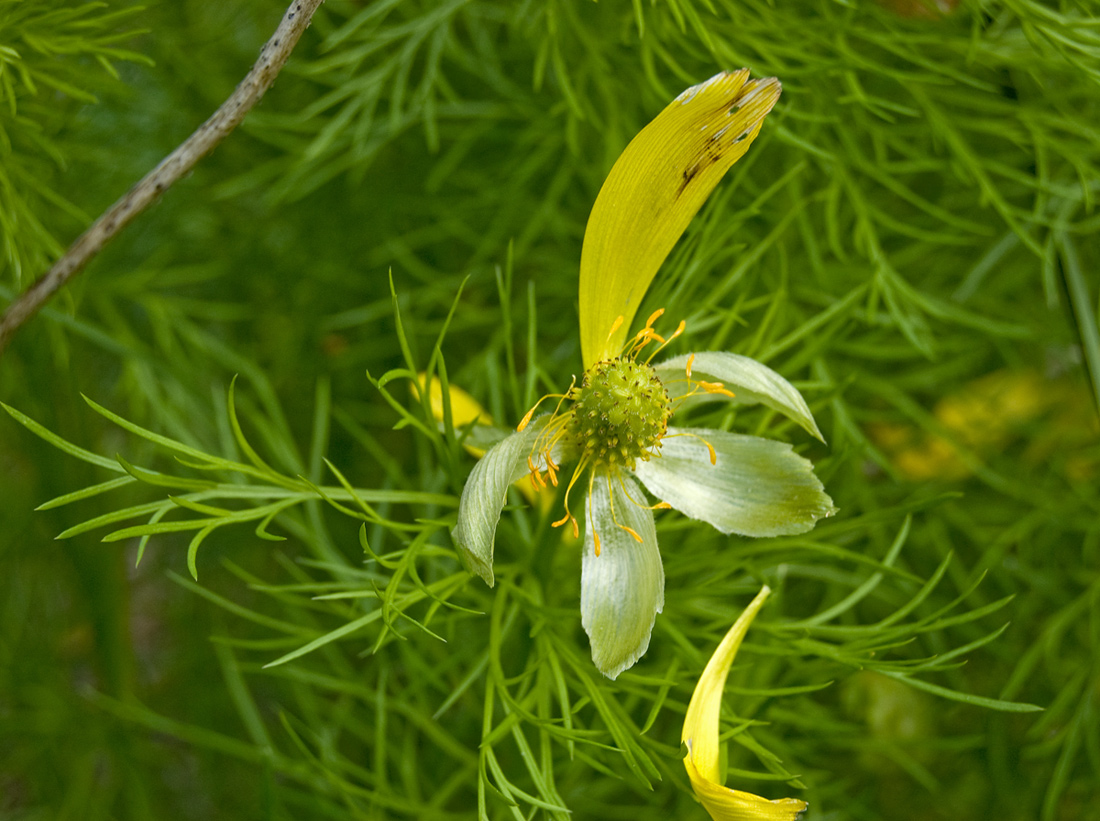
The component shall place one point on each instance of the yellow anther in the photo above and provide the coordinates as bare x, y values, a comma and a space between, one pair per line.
710, 447
596, 539
611, 499
653, 317
569, 517
715, 387
561, 397
615, 326
691, 360
679, 330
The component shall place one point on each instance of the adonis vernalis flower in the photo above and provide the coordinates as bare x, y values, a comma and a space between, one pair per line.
614, 426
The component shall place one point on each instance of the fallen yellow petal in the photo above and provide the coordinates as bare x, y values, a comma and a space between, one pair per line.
654, 189
701, 725
725, 804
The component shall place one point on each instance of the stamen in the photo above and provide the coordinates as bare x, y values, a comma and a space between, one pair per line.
640, 340
561, 397
697, 386
552, 471
653, 317
614, 327
715, 387
614, 518
567, 395
710, 447
679, 330
595, 535
626, 493
537, 482
569, 517
556, 429
566, 518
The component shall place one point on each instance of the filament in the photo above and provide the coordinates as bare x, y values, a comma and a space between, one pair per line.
710, 447
636, 503
569, 517
679, 330
614, 518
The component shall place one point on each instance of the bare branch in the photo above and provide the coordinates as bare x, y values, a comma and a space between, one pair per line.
272, 57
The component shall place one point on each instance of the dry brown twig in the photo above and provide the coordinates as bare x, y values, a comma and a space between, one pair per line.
272, 57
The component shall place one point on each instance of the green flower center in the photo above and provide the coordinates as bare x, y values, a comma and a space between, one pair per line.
620, 412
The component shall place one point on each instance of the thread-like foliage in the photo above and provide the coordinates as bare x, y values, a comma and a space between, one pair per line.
53, 57
909, 240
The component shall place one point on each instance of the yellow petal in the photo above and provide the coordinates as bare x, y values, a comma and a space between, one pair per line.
725, 804
701, 720
464, 408
653, 191
701, 725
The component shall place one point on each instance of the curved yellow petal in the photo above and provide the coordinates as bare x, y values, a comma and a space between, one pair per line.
653, 191
464, 408
705, 707
725, 804
701, 737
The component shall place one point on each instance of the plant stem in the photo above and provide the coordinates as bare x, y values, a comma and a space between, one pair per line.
273, 57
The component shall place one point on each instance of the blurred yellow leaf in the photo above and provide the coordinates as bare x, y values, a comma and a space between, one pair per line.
985, 416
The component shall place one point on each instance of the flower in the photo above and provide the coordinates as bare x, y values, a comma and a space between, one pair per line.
615, 424
701, 738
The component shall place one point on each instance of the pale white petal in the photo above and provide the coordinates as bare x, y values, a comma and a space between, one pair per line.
750, 382
622, 589
757, 487
484, 495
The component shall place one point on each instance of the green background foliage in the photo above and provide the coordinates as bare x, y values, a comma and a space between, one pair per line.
911, 240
